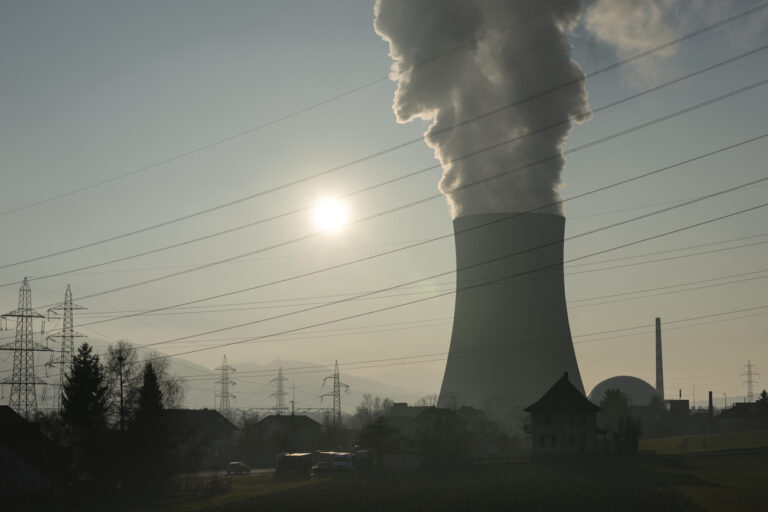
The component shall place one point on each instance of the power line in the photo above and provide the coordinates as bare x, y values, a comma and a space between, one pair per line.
506, 256
593, 191
318, 368
388, 308
300, 111
363, 159
421, 292
436, 196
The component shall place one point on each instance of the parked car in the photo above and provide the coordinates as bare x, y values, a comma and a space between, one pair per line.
237, 468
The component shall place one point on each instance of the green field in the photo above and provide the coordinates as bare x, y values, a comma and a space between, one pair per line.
702, 443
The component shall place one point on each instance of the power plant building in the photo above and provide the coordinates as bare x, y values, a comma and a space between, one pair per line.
511, 338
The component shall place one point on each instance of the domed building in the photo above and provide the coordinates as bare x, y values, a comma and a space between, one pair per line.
637, 391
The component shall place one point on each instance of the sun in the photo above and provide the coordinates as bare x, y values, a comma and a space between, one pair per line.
330, 215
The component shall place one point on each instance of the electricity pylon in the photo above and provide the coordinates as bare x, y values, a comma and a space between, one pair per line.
67, 335
280, 393
750, 375
336, 394
224, 382
23, 397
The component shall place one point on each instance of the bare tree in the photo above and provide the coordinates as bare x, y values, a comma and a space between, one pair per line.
370, 408
123, 375
172, 386
427, 400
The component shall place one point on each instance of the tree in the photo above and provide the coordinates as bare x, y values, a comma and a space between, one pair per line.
150, 434
371, 408
171, 386
123, 372
763, 400
619, 422
614, 406
378, 436
125, 379
427, 400
84, 404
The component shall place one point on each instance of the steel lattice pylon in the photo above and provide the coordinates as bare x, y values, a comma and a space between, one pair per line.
224, 395
280, 394
67, 334
337, 385
23, 397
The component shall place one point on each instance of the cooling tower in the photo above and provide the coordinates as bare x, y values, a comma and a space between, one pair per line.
511, 340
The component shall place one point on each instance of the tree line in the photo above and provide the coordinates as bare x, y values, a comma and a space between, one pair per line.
111, 420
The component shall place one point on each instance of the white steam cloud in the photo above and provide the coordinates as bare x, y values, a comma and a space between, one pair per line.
628, 27
509, 65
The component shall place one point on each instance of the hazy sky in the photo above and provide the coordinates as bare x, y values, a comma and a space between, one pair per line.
93, 90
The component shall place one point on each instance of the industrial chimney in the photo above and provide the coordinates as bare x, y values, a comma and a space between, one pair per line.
659, 366
511, 339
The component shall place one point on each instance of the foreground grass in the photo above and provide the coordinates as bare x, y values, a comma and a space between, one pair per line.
718, 482
710, 482
701, 443
560, 486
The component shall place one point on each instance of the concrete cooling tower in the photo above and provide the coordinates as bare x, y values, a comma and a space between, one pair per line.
511, 340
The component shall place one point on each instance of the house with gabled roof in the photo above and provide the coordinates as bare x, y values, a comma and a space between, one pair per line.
563, 421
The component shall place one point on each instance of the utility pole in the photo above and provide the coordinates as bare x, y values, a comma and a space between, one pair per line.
225, 407
336, 394
23, 397
67, 334
750, 374
280, 393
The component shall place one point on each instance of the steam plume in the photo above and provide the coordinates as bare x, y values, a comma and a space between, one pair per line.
493, 71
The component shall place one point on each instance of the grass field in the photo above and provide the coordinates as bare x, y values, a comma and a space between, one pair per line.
563, 486
711, 473
702, 443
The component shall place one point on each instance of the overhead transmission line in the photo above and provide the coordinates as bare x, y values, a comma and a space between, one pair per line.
507, 347
504, 257
394, 148
398, 208
452, 234
388, 308
333, 267
612, 332
572, 302
308, 108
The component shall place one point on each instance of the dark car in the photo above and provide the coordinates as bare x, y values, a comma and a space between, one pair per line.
237, 468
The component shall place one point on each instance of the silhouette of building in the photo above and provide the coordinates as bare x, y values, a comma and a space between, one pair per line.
203, 438
29, 461
563, 421
284, 433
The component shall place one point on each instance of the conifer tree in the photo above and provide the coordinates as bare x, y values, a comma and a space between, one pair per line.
84, 405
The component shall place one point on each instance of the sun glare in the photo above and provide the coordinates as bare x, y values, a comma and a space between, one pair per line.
330, 215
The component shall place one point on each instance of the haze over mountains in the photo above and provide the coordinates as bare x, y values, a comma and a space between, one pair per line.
253, 388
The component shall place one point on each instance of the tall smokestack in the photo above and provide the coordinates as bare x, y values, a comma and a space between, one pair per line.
659, 366
511, 339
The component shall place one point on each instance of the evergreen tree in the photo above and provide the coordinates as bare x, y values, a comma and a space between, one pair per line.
152, 439
84, 405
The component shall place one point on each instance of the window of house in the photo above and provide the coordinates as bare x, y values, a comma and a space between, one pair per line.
554, 440
543, 442
546, 419
570, 440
